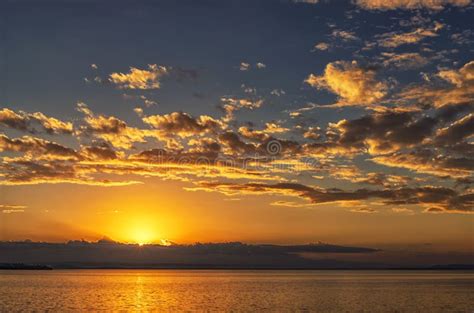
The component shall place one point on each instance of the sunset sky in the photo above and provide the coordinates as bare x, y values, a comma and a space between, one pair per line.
262, 121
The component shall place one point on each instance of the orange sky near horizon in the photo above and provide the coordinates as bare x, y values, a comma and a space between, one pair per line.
164, 211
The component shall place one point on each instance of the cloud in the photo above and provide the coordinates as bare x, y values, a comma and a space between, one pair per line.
458, 89
99, 152
138, 78
344, 35
458, 131
244, 66
396, 39
329, 149
231, 105
435, 144
289, 204
111, 129
447, 199
464, 37
429, 162
460, 78
403, 211
12, 209
101, 123
384, 132
353, 84
44, 161
198, 163
52, 125
234, 144
322, 46
270, 128
364, 210
138, 111
26, 171
147, 102
409, 60
313, 133
354, 174
306, 1
198, 147
409, 4
242, 103
182, 124
278, 92
35, 147
33, 122
262, 145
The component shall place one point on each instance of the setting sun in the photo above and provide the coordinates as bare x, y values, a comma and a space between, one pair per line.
142, 232
143, 236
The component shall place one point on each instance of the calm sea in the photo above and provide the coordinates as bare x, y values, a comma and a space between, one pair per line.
215, 290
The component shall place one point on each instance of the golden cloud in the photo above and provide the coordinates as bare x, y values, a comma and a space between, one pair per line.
447, 199
37, 147
426, 161
396, 39
409, 4
11, 209
112, 129
353, 84
459, 91
138, 78
31, 121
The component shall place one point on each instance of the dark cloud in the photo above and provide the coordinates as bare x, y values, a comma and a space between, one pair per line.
33, 122
35, 146
101, 152
448, 199
182, 124
429, 161
385, 132
457, 131
235, 144
453, 87
164, 156
28, 171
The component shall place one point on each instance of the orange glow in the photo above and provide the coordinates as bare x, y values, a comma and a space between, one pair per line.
143, 232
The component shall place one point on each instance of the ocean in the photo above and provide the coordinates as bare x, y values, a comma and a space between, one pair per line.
237, 290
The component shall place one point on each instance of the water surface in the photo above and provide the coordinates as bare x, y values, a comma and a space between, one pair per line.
224, 290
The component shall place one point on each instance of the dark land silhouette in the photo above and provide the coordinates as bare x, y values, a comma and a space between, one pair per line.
106, 253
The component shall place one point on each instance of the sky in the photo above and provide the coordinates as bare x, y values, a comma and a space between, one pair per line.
263, 121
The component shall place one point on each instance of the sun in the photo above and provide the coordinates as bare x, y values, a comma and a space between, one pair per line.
141, 230
143, 234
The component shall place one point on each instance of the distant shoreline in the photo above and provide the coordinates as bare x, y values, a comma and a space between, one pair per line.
21, 266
